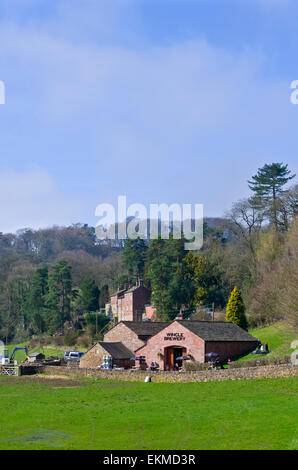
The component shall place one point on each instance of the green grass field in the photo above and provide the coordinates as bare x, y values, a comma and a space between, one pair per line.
279, 336
41, 412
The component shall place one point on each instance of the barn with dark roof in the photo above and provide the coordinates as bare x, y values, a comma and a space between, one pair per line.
164, 342
94, 358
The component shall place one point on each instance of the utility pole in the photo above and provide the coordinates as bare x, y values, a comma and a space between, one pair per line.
96, 323
212, 311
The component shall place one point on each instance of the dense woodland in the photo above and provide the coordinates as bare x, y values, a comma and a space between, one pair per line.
49, 277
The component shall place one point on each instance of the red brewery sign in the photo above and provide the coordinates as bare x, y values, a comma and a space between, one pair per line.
174, 337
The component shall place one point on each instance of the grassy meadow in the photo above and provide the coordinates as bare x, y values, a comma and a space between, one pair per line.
42, 412
279, 336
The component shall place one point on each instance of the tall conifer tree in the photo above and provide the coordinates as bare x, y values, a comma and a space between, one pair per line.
235, 309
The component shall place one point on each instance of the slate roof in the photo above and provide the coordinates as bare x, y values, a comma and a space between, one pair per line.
146, 328
117, 350
132, 289
119, 292
207, 330
217, 330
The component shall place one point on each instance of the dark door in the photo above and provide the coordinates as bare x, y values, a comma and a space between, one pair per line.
171, 354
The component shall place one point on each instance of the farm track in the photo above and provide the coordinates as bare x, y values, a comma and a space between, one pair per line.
53, 381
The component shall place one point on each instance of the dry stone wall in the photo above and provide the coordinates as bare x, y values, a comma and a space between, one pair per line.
271, 371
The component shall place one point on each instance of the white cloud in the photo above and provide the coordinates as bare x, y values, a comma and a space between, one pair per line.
31, 199
186, 87
173, 108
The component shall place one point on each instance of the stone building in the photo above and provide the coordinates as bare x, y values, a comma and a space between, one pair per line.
134, 335
95, 356
163, 342
129, 304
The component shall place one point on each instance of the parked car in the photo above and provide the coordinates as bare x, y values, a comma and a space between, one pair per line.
73, 355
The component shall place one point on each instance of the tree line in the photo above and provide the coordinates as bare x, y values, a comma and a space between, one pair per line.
254, 248
49, 277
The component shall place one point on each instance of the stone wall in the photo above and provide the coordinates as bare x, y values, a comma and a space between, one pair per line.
272, 371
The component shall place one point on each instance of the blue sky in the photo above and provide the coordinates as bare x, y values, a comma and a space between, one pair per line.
160, 100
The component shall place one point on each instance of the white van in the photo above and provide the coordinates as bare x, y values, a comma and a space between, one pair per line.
73, 355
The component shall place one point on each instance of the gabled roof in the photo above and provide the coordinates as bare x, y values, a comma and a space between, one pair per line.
117, 350
207, 330
134, 288
119, 292
217, 330
145, 328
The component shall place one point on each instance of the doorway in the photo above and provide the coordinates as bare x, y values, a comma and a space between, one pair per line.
171, 354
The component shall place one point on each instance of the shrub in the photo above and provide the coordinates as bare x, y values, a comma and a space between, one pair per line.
84, 341
34, 343
21, 336
58, 340
261, 361
70, 338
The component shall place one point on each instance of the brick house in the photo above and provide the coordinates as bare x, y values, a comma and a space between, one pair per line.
150, 312
115, 302
94, 357
134, 334
129, 304
163, 342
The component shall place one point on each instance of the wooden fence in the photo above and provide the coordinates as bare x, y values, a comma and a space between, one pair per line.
10, 369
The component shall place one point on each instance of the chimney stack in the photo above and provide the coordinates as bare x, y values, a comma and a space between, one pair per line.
179, 316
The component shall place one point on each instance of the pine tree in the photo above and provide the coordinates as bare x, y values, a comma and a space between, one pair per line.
165, 277
59, 295
35, 305
104, 296
133, 258
39, 286
235, 309
267, 186
89, 295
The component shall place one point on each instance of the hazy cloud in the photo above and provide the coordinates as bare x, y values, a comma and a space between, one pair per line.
155, 123
31, 199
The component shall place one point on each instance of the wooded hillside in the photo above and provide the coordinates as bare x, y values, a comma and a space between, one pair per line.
49, 277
